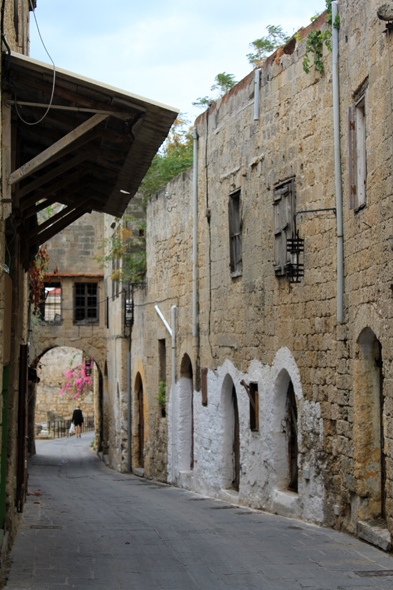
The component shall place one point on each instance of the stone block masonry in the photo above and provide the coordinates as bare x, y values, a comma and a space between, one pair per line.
322, 449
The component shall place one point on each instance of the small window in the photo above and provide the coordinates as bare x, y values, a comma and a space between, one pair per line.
235, 238
357, 155
254, 413
16, 20
162, 360
115, 276
284, 210
85, 303
50, 305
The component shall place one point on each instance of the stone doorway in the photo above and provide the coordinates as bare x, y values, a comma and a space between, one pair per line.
285, 434
369, 501
231, 436
140, 421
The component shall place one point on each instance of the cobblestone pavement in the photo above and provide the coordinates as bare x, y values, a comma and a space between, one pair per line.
94, 528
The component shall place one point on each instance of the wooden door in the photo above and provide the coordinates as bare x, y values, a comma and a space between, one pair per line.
141, 429
236, 443
292, 439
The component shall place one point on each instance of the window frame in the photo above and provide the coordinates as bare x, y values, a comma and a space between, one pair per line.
235, 233
44, 305
357, 153
86, 320
284, 208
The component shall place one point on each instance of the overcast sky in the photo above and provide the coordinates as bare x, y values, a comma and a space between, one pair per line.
168, 50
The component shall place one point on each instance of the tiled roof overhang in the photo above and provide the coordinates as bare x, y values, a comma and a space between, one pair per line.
90, 152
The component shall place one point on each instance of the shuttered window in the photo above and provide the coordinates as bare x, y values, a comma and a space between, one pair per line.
357, 155
283, 210
235, 238
85, 303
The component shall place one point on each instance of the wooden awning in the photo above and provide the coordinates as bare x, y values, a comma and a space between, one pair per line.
90, 151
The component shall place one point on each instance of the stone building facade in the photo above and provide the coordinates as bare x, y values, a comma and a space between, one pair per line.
279, 403
13, 301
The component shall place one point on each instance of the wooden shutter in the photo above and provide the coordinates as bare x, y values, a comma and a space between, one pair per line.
235, 243
360, 124
231, 232
204, 386
352, 168
283, 208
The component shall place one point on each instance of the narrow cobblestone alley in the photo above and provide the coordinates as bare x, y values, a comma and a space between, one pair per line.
91, 527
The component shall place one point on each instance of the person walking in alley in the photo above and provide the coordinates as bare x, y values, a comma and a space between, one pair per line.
77, 419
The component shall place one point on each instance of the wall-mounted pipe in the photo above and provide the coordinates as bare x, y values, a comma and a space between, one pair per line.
257, 76
158, 310
337, 171
174, 422
195, 235
172, 332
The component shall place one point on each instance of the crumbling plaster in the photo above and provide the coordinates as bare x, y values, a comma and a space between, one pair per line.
258, 480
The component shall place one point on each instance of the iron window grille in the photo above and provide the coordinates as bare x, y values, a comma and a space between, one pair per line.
50, 305
235, 237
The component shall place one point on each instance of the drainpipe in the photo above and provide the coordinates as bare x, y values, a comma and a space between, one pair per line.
195, 234
257, 74
174, 426
129, 400
172, 332
337, 170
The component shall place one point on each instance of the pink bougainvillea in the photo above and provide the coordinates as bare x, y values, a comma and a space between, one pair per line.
78, 378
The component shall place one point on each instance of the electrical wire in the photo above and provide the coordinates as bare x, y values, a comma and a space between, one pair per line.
53, 83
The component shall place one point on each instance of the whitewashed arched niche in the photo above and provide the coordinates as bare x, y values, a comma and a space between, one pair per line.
186, 415
230, 421
284, 371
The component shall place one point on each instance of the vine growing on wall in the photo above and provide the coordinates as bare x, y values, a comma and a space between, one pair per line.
37, 272
127, 248
316, 39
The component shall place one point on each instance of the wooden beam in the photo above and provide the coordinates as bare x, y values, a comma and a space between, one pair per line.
6, 161
55, 107
40, 228
59, 225
56, 149
54, 188
58, 198
51, 176
28, 81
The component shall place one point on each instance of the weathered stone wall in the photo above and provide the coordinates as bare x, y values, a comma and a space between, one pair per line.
89, 338
257, 326
16, 29
51, 371
75, 249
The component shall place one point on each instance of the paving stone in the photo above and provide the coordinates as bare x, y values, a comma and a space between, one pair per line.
117, 536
